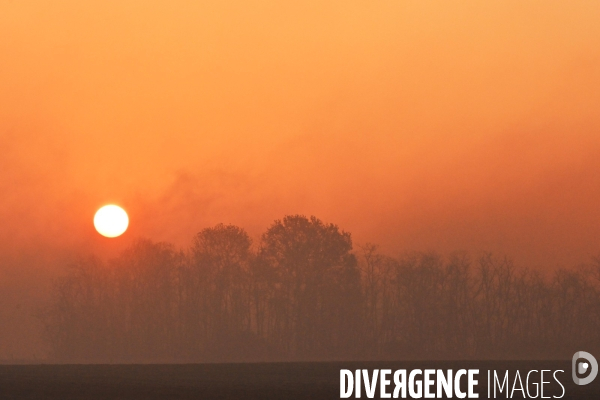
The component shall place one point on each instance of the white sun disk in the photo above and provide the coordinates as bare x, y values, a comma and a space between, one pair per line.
111, 221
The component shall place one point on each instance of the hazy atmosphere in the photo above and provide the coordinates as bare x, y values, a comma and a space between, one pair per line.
457, 126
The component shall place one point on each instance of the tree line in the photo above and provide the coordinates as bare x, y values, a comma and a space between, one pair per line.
304, 293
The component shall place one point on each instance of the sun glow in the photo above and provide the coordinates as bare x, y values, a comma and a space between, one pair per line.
111, 221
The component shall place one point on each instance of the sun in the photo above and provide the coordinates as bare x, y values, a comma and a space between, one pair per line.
111, 221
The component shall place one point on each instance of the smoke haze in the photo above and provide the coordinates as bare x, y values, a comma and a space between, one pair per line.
457, 126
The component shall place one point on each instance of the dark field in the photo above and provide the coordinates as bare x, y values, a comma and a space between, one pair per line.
238, 381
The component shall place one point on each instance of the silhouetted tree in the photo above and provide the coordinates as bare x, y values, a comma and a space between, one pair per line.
216, 291
317, 294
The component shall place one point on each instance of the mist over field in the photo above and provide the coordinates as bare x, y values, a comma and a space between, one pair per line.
302, 294
457, 127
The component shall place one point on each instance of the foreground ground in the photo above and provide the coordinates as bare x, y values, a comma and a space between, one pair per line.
234, 381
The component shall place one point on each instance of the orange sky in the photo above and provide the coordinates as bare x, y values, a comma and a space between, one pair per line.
416, 125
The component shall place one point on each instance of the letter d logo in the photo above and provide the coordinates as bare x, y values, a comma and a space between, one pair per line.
583, 367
